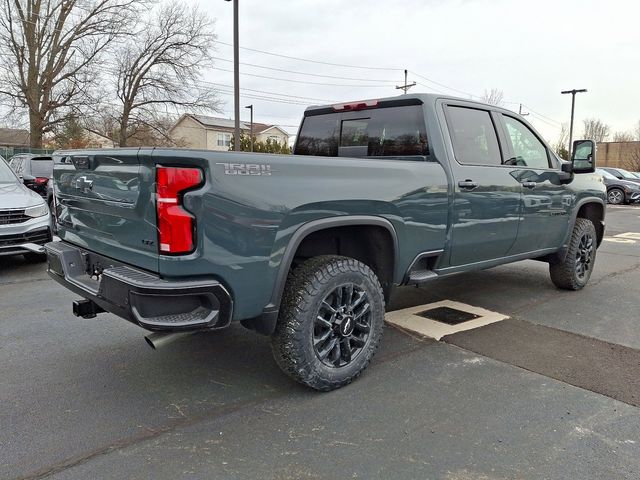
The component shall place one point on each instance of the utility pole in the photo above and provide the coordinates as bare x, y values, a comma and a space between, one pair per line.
573, 106
406, 85
236, 74
250, 107
520, 112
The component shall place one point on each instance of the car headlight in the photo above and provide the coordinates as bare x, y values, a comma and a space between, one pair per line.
37, 211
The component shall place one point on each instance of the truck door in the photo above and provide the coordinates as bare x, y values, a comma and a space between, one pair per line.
545, 201
486, 209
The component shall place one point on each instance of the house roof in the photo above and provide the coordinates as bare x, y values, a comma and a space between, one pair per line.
228, 123
14, 137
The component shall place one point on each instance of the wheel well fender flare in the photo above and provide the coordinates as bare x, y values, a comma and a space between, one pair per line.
322, 224
574, 216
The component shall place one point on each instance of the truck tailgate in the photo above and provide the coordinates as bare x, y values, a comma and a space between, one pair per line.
105, 203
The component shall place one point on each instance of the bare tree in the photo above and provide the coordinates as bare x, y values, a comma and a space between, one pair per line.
161, 65
596, 130
46, 50
632, 162
637, 131
493, 97
623, 137
560, 147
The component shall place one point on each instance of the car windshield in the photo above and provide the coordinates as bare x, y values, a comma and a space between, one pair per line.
626, 174
606, 174
6, 174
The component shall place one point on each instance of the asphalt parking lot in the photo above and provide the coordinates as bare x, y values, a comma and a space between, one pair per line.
550, 393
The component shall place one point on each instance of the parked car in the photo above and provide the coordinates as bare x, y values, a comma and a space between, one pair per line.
36, 171
25, 224
619, 191
621, 174
308, 247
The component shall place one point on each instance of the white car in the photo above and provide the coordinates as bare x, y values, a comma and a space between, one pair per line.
25, 223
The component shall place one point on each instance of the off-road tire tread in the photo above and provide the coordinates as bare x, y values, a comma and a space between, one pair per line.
563, 274
303, 285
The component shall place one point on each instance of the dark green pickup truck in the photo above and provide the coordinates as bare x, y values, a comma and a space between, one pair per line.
307, 247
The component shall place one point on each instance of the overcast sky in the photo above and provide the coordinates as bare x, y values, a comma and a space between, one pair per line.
529, 50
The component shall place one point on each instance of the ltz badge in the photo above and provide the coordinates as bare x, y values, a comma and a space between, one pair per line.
252, 169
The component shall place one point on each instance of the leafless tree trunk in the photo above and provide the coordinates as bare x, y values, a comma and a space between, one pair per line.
493, 97
46, 50
596, 130
160, 66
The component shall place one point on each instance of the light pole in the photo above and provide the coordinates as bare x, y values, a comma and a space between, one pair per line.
236, 74
250, 107
573, 106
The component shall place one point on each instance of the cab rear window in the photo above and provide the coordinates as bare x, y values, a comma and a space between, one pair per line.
380, 132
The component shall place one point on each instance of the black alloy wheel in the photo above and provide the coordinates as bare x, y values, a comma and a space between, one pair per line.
341, 328
584, 256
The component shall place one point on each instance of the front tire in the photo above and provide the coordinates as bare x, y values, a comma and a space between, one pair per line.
574, 271
331, 321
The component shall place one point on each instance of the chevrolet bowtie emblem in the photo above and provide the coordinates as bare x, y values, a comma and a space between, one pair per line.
83, 184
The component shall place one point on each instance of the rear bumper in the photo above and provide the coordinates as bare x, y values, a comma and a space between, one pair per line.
138, 296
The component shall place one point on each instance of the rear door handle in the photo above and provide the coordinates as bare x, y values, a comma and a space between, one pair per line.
467, 185
529, 184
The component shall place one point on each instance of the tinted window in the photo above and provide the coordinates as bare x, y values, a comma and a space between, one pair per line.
381, 132
474, 136
42, 167
528, 150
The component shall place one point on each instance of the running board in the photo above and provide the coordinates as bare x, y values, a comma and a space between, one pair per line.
421, 276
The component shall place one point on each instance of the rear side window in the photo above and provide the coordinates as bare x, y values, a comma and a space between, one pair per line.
474, 137
42, 167
17, 164
380, 132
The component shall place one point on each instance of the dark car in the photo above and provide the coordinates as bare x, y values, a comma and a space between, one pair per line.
36, 171
619, 191
621, 174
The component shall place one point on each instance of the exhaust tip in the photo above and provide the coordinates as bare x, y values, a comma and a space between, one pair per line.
149, 342
156, 340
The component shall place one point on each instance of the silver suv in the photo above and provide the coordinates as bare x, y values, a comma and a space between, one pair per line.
25, 223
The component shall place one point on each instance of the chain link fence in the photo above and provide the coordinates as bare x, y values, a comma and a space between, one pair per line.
8, 152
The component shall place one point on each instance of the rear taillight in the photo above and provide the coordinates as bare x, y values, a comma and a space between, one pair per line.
41, 180
175, 224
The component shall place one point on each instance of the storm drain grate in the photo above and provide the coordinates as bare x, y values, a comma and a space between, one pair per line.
450, 316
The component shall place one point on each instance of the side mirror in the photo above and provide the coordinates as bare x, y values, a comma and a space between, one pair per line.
584, 156
566, 173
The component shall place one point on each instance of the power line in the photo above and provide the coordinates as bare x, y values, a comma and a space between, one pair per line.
312, 61
306, 73
300, 81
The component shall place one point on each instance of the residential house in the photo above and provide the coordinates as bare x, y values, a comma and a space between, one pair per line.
212, 133
14, 138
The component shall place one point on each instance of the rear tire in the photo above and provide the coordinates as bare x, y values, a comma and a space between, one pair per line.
615, 196
330, 323
574, 271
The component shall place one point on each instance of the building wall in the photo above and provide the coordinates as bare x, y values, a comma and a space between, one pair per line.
189, 134
212, 140
619, 154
